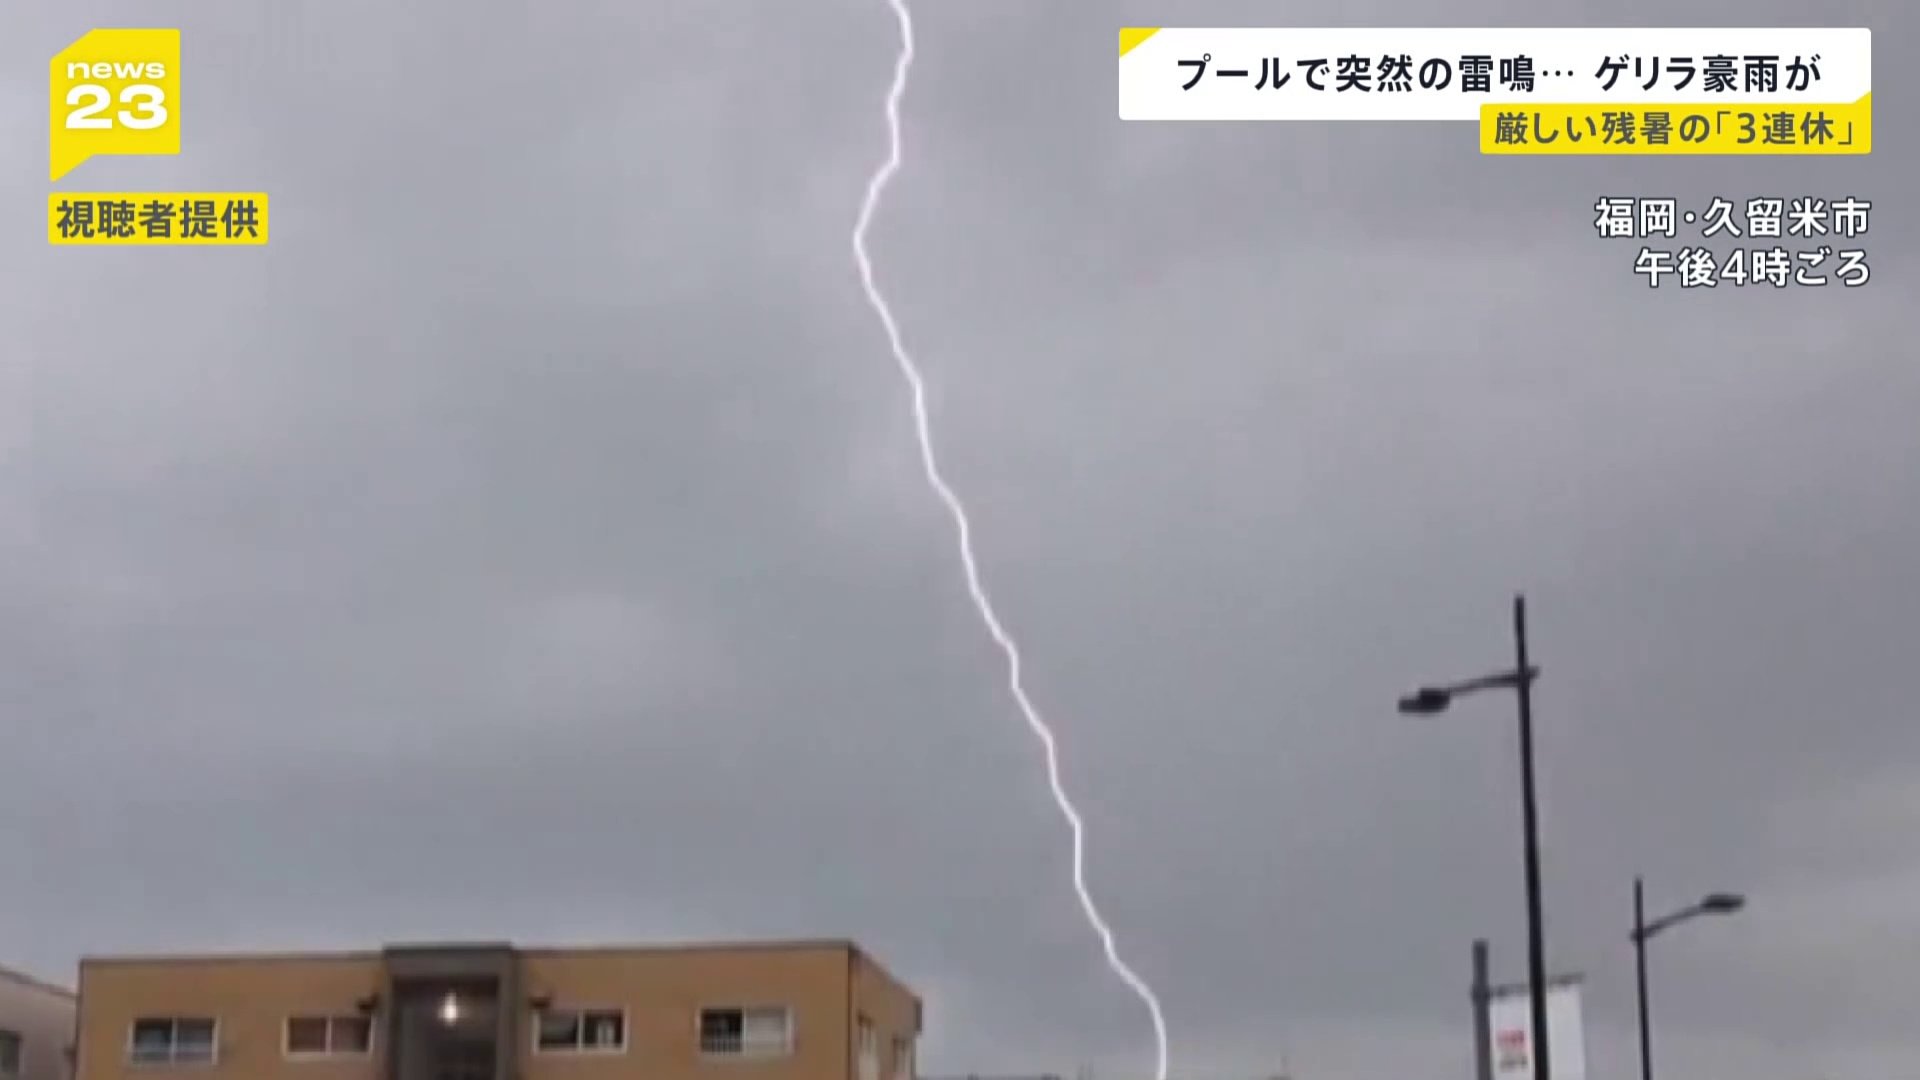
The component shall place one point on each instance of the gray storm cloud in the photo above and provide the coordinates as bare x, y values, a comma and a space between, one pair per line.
547, 469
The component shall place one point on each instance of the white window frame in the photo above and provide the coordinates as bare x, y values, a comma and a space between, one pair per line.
173, 1060
19, 1053
582, 1012
903, 1064
785, 1050
286, 1037
866, 1047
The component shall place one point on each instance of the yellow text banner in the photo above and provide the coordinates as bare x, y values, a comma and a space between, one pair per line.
1678, 129
149, 217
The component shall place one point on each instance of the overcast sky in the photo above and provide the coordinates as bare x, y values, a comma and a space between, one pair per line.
546, 477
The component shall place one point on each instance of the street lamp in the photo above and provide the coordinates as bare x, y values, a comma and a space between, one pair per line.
1429, 700
1711, 904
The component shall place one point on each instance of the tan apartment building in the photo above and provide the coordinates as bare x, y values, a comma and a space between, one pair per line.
764, 1011
36, 1028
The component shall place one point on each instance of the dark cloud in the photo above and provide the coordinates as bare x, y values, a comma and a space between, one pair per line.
546, 471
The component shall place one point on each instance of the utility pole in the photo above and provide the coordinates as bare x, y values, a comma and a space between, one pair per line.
1431, 700
1482, 1015
1536, 936
1640, 976
1719, 903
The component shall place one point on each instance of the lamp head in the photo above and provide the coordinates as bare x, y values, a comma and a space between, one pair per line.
1426, 701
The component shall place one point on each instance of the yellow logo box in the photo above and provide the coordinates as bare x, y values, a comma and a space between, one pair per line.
113, 92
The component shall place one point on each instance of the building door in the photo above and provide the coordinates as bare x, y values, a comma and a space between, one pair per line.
464, 1058
448, 1032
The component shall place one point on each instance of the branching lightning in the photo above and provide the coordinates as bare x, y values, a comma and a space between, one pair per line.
903, 65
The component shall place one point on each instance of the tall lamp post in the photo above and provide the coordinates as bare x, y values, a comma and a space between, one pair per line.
1711, 904
1429, 700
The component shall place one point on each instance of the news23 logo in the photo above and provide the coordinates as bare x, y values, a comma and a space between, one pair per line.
115, 92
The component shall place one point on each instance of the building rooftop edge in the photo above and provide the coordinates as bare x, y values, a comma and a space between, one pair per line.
21, 978
308, 955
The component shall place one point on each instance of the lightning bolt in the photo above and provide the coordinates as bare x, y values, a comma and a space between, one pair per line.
903, 66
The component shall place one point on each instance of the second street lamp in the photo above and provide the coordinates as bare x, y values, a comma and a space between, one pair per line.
1429, 700
1711, 904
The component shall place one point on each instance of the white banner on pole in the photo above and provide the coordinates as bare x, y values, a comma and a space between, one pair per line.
1509, 1016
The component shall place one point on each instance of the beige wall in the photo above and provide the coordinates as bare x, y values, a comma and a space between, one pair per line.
661, 990
42, 1016
249, 998
893, 1009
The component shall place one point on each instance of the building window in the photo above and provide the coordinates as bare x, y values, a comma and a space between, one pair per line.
328, 1036
171, 1040
559, 1031
9, 1053
903, 1059
868, 1041
746, 1032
